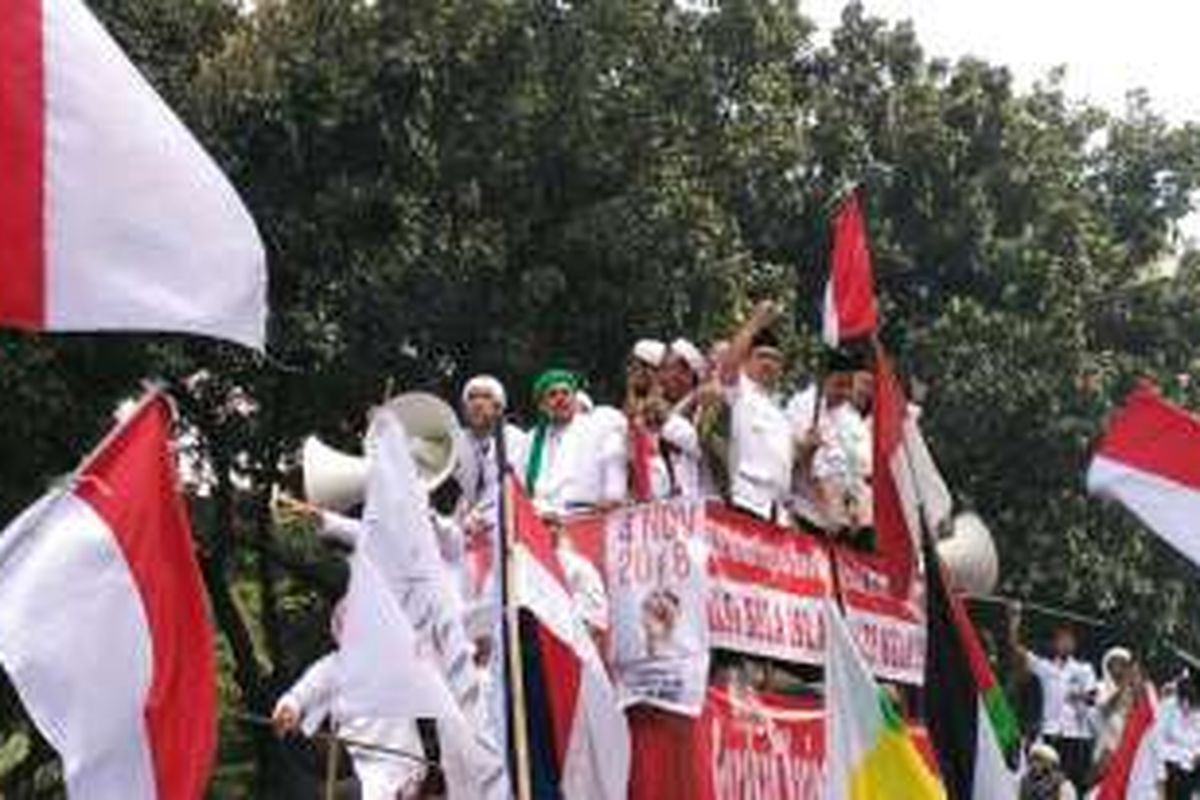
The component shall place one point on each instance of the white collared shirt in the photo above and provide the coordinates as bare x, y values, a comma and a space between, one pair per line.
1063, 715
760, 450
844, 455
1180, 733
584, 462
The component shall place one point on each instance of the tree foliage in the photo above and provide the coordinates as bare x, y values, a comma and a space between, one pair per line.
446, 186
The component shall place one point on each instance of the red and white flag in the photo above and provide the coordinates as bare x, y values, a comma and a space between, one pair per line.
1133, 771
850, 307
103, 628
113, 216
1149, 461
907, 489
578, 736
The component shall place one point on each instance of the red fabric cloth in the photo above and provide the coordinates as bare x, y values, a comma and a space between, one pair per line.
670, 756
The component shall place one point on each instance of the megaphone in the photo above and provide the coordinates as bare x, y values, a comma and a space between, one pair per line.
435, 438
969, 555
338, 481
332, 479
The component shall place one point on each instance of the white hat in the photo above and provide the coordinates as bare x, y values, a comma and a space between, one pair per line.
1044, 752
488, 384
650, 351
1114, 654
691, 354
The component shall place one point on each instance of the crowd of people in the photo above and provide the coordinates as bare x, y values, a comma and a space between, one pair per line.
1072, 740
710, 422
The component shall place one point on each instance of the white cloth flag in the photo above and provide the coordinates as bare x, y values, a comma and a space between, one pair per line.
402, 607
114, 217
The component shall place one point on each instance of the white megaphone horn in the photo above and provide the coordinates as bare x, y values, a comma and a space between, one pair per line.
969, 556
337, 481
333, 480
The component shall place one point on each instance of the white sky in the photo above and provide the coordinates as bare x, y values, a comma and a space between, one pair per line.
1107, 46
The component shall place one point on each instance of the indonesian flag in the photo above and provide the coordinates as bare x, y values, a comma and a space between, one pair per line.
1133, 772
850, 308
103, 628
112, 217
908, 490
1149, 461
578, 737
971, 725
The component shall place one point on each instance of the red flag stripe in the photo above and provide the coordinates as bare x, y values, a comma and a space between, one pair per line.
22, 159
1155, 436
894, 541
851, 275
132, 485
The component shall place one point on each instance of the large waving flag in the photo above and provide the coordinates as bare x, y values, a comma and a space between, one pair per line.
103, 628
971, 725
114, 217
869, 753
1133, 772
1149, 461
850, 307
578, 737
908, 491
402, 599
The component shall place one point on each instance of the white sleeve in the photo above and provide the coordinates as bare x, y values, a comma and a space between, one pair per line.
312, 696
1039, 666
516, 443
339, 528
614, 466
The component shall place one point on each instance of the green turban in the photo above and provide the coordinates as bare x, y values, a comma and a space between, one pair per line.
554, 377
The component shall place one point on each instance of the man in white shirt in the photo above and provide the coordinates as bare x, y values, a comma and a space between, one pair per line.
760, 442
1068, 694
1180, 740
831, 486
484, 402
388, 767
574, 462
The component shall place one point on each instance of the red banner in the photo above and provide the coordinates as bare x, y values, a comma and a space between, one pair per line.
767, 586
889, 630
746, 746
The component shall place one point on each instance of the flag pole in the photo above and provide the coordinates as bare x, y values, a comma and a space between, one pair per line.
517, 716
331, 767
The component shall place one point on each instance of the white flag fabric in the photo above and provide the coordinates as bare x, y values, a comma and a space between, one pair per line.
115, 218
103, 629
1149, 461
402, 608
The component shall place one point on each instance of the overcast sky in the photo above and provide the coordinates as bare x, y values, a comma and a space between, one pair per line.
1107, 46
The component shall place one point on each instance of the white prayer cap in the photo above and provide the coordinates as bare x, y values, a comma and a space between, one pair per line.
691, 354
1114, 654
583, 402
1044, 753
650, 351
487, 384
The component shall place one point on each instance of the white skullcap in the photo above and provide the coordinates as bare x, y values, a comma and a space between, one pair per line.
1114, 654
650, 351
487, 384
691, 354
1043, 752
583, 402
